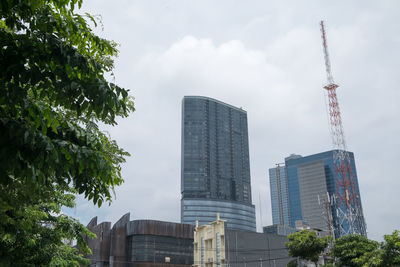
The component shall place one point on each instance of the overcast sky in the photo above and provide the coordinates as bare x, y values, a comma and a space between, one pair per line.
267, 58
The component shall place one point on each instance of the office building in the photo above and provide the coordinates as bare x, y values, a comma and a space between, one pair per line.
311, 188
140, 243
279, 196
215, 168
216, 245
279, 229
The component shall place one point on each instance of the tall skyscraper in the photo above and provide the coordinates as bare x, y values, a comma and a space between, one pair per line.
279, 195
215, 167
310, 187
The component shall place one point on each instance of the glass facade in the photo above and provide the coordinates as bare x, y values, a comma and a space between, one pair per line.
215, 161
313, 193
279, 230
292, 172
153, 248
279, 196
238, 215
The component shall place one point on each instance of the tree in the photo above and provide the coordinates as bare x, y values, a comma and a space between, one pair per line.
356, 250
53, 94
391, 249
306, 245
292, 263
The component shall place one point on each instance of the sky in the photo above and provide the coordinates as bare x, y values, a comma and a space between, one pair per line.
266, 57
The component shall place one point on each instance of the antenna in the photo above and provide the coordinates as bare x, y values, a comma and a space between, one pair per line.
259, 202
349, 218
326, 54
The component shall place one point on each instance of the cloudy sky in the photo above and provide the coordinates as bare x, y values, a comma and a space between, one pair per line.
267, 58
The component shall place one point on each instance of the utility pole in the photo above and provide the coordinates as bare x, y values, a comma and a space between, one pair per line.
259, 203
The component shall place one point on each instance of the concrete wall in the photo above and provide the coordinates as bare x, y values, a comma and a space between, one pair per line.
255, 249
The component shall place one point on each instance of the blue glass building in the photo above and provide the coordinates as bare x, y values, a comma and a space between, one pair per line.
310, 183
215, 167
279, 196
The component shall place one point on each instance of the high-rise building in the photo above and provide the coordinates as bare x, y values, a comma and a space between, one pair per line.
309, 187
279, 195
215, 168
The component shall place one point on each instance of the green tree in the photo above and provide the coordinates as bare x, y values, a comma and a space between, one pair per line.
356, 250
391, 250
306, 245
53, 94
292, 263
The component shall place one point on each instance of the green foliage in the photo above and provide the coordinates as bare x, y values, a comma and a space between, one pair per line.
356, 250
306, 245
33, 233
53, 93
292, 263
350, 250
329, 263
390, 249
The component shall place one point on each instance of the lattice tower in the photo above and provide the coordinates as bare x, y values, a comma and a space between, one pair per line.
346, 204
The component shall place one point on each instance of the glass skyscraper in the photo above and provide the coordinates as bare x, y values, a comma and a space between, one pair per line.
309, 182
215, 168
279, 196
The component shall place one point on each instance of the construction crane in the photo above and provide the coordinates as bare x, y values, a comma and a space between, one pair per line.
346, 203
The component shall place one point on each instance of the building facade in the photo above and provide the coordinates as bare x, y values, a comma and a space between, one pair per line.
311, 190
279, 229
215, 165
279, 196
141, 243
209, 244
215, 245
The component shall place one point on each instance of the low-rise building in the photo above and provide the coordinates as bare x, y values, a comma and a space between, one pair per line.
141, 243
216, 245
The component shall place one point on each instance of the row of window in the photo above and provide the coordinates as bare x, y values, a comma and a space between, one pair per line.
151, 248
238, 216
194, 204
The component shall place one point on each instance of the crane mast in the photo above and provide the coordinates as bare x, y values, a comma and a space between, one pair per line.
345, 201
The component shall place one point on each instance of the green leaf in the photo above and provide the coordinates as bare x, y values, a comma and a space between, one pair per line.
54, 75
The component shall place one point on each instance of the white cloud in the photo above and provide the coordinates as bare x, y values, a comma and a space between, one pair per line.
267, 59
